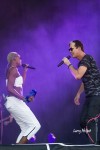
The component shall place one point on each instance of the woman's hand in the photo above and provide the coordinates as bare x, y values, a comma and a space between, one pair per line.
31, 98
26, 67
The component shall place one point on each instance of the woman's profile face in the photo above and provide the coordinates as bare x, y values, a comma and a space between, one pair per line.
18, 60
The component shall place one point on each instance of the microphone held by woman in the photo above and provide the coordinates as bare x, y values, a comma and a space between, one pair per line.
27, 66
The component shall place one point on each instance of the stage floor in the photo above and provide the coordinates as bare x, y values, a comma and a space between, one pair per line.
50, 146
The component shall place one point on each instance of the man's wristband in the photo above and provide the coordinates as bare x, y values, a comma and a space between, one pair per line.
69, 65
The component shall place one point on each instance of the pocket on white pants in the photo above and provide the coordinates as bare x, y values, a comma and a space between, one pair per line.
7, 105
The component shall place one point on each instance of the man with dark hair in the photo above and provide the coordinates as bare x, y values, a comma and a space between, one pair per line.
89, 74
78, 44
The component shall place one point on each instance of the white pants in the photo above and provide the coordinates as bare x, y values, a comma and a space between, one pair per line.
24, 117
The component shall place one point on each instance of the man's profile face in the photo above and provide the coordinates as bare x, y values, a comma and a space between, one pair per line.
73, 50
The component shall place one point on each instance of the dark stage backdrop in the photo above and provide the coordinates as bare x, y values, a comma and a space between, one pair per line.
40, 31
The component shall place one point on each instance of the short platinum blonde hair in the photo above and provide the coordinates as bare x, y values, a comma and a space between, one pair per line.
11, 56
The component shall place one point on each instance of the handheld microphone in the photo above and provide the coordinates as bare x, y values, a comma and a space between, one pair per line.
68, 57
30, 67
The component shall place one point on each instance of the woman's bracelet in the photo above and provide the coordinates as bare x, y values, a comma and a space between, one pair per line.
69, 65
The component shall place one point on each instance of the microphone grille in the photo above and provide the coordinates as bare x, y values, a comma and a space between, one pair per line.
23, 65
68, 56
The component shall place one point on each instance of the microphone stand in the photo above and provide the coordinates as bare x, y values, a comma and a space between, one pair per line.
3, 120
96, 131
1, 123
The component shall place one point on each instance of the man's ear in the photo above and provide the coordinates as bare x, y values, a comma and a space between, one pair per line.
79, 47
